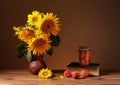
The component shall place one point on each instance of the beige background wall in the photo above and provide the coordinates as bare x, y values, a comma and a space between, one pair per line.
95, 23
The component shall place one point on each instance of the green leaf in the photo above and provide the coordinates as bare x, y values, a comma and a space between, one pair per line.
33, 26
21, 48
55, 40
50, 51
28, 56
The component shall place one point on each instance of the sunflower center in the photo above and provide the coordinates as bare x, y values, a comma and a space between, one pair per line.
45, 73
34, 19
39, 42
47, 26
28, 34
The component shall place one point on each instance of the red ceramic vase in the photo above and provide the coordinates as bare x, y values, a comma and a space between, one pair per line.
36, 64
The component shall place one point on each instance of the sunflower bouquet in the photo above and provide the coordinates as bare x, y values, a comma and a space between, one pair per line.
38, 36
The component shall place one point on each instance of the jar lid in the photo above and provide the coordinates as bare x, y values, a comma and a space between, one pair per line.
84, 48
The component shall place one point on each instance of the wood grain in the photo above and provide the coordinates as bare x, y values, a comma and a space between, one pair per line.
24, 77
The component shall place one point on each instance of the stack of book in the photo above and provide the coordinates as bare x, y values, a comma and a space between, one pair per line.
93, 68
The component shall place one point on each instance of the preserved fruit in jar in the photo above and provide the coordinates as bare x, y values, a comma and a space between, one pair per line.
84, 55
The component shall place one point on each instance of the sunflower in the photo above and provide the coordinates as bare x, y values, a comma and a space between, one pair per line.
49, 24
34, 18
39, 46
45, 73
26, 34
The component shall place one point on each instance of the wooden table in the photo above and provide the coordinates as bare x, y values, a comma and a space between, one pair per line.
24, 77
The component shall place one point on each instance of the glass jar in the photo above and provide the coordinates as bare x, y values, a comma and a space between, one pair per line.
84, 55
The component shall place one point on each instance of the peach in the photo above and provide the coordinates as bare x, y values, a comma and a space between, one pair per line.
76, 75
84, 73
67, 73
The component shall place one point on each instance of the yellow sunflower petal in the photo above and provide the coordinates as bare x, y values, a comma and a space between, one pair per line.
40, 34
17, 30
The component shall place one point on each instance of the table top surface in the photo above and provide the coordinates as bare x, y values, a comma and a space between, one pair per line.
24, 77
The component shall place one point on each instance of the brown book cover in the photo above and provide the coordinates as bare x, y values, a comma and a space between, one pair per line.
93, 68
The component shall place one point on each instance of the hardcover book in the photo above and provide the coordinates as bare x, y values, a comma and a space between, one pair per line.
93, 68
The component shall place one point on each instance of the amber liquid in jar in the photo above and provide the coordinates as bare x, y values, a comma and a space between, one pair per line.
84, 55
